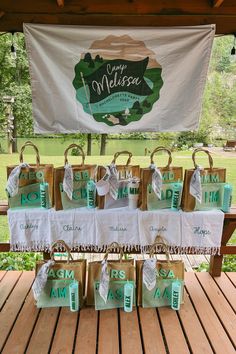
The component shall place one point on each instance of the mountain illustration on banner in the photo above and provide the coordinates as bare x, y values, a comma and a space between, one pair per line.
117, 80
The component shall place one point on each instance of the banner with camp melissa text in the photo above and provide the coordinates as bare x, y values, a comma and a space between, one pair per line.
117, 79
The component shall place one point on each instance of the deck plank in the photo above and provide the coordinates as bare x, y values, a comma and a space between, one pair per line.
175, 339
108, 338
130, 333
227, 288
7, 284
13, 305
63, 340
86, 339
21, 332
210, 322
219, 303
151, 331
2, 274
197, 339
44, 329
232, 277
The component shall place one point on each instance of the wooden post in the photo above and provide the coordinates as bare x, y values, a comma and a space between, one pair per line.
89, 144
103, 144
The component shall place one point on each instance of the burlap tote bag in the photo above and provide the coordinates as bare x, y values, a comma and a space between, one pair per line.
120, 271
211, 180
82, 174
166, 272
128, 182
59, 277
171, 178
30, 185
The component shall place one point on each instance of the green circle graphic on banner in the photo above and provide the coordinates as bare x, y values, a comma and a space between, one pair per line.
119, 83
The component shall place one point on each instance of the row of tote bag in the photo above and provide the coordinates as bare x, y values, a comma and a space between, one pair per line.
110, 283
118, 185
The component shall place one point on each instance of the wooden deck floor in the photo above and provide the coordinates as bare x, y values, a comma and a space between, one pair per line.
206, 322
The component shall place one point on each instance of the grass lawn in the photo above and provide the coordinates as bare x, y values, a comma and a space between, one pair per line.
180, 158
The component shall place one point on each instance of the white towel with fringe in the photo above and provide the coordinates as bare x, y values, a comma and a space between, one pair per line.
94, 230
202, 231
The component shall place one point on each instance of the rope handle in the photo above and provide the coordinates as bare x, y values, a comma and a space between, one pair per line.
111, 247
26, 144
117, 154
74, 146
206, 152
62, 243
160, 241
161, 148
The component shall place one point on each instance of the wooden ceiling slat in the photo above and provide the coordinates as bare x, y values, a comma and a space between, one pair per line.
224, 24
118, 7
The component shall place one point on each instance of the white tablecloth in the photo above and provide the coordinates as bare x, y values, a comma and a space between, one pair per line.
36, 229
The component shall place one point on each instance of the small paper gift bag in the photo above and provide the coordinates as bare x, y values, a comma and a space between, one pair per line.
117, 273
203, 188
160, 184
155, 277
71, 183
30, 186
59, 275
118, 185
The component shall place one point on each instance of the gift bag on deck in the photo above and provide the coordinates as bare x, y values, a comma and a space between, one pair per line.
155, 290
74, 185
113, 275
161, 187
30, 185
59, 276
203, 188
118, 185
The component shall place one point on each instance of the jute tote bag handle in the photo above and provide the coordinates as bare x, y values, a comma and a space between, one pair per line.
117, 154
29, 143
165, 247
111, 247
208, 154
74, 146
161, 148
63, 244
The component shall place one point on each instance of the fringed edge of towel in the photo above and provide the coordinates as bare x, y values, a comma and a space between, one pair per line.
42, 246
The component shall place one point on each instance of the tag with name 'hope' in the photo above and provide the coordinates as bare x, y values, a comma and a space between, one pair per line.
149, 273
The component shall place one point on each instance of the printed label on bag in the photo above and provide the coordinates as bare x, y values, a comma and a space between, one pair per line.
115, 296
55, 294
212, 196
27, 197
160, 295
153, 203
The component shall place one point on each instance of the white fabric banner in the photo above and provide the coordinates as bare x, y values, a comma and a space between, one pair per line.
117, 79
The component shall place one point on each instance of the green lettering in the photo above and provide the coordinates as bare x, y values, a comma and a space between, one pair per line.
60, 273
69, 274
163, 273
31, 175
40, 175
53, 292
119, 294
122, 274
171, 274
169, 193
157, 294
61, 292
114, 273
23, 175
51, 274
166, 294
110, 295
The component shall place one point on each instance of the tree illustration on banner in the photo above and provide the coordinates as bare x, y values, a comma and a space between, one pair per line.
117, 80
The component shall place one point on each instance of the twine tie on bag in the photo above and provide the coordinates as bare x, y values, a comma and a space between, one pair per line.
68, 181
12, 186
195, 184
156, 180
41, 278
104, 281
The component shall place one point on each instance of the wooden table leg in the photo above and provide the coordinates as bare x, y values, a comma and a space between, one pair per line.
216, 261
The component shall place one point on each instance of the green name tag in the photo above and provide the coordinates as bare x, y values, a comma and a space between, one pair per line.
79, 196
161, 294
55, 294
212, 196
115, 298
153, 203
